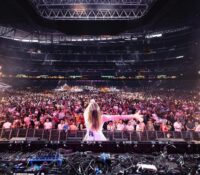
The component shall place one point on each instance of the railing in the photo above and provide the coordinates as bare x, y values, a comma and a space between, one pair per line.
60, 135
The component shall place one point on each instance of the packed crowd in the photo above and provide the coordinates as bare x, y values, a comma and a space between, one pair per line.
162, 111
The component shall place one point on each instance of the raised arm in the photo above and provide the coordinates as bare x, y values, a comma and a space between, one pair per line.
136, 116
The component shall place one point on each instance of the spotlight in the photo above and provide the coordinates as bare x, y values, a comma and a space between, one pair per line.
29, 145
79, 8
64, 145
199, 72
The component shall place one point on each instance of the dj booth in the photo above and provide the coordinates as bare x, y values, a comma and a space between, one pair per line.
119, 141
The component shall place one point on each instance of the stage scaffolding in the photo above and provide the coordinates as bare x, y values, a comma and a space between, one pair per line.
92, 9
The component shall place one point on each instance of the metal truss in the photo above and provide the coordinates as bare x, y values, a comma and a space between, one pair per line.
92, 9
64, 2
7, 31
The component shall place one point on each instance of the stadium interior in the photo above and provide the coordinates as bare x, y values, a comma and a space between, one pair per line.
137, 60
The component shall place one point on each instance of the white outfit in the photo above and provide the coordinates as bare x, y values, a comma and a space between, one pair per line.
61, 126
120, 127
7, 125
48, 125
97, 135
177, 126
130, 128
111, 127
140, 127
92, 135
197, 128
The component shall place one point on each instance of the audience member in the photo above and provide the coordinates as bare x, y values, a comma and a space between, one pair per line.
162, 111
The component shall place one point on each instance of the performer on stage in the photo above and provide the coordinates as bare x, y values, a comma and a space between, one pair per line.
94, 121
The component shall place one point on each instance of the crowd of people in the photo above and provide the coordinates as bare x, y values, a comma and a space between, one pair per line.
161, 111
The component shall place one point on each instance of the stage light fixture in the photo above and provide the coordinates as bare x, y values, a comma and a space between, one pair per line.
79, 8
179, 57
154, 35
92, 9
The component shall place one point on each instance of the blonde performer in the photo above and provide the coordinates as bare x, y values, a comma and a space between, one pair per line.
94, 121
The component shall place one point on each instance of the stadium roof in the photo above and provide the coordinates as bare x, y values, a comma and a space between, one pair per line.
40, 15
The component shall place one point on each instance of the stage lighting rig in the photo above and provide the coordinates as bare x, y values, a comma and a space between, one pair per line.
92, 9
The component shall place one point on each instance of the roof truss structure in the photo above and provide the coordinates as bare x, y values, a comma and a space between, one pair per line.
92, 9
